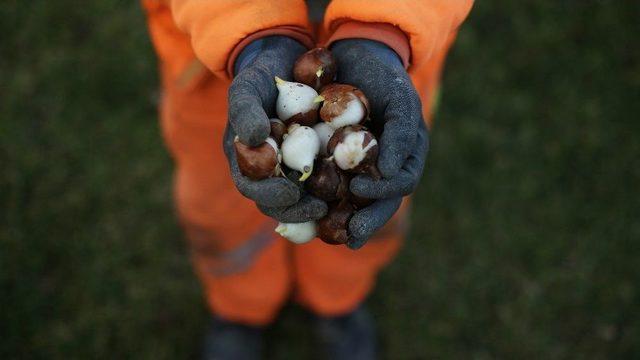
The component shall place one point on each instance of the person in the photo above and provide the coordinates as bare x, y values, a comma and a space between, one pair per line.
217, 61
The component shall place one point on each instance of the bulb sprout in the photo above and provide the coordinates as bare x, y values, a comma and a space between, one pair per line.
306, 173
281, 228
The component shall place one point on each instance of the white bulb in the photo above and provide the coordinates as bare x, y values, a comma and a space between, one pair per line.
294, 98
275, 147
352, 114
298, 233
300, 148
351, 150
325, 132
273, 144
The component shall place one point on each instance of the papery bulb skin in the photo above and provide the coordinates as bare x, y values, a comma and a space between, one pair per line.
300, 148
343, 105
355, 150
295, 103
259, 162
334, 227
315, 68
328, 182
278, 129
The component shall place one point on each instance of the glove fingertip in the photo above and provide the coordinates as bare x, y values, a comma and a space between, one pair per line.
358, 234
255, 134
313, 208
249, 120
358, 227
307, 209
276, 193
360, 185
356, 244
321, 209
287, 195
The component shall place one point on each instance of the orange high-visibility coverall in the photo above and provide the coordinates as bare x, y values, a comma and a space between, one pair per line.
246, 270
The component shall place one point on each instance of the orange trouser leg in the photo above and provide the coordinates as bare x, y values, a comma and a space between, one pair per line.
239, 260
237, 256
333, 280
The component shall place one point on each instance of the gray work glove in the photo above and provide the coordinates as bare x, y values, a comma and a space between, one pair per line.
395, 107
252, 98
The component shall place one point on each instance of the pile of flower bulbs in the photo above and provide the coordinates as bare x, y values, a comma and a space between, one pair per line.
320, 136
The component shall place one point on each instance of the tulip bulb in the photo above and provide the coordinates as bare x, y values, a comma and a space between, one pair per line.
343, 105
355, 150
295, 103
300, 148
278, 129
334, 227
315, 68
298, 233
258, 162
328, 183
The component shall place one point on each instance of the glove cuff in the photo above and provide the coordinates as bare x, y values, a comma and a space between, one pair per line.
385, 33
238, 55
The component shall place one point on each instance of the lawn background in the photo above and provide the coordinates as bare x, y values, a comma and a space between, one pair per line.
525, 238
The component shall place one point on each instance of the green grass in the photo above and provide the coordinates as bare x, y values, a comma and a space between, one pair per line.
526, 234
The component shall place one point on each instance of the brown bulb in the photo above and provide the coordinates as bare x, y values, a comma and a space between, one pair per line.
278, 129
328, 182
334, 227
343, 105
355, 150
259, 162
315, 68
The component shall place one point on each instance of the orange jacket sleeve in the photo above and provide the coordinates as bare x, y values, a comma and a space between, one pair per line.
426, 24
217, 27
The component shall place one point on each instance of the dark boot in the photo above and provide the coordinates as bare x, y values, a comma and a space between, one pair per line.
226, 340
349, 337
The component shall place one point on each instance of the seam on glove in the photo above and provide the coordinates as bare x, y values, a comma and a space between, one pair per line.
386, 33
294, 32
